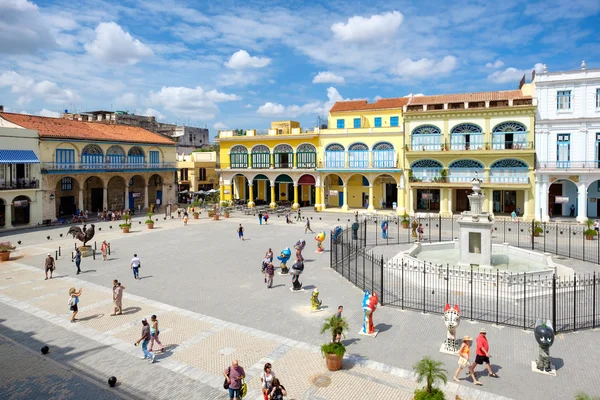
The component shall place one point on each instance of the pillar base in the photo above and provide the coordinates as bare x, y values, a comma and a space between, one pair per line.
273, 205
581, 220
446, 214
370, 208
318, 207
345, 207
295, 206
400, 210
250, 204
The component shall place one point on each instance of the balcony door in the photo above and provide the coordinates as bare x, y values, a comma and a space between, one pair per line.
563, 150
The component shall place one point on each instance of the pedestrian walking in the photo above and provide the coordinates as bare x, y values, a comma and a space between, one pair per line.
104, 249
136, 263
269, 274
307, 226
277, 391
157, 209
234, 375
240, 231
266, 380
73, 301
482, 354
513, 215
185, 219
384, 229
117, 298
572, 210
339, 332
145, 339
299, 217
518, 211
464, 354
287, 217
178, 212
49, 265
260, 217
269, 255
266, 218
154, 332
77, 259
420, 231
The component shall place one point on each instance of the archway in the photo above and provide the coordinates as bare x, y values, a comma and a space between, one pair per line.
284, 188
283, 156
358, 191
333, 186
562, 198
358, 155
335, 156
66, 193
384, 155
116, 193
509, 135
136, 155
238, 157
2, 213
593, 200
137, 189
92, 155
306, 190
261, 188
20, 210
155, 192
385, 191
115, 156
93, 194
466, 137
240, 192
261, 157
306, 156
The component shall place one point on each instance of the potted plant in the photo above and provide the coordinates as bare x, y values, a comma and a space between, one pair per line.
125, 227
537, 229
195, 214
226, 213
211, 214
334, 351
149, 222
443, 175
215, 215
431, 372
5, 249
590, 232
405, 221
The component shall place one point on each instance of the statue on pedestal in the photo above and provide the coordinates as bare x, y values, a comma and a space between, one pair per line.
299, 246
337, 234
355, 226
284, 257
452, 321
369, 306
544, 335
84, 235
320, 238
315, 303
297, 269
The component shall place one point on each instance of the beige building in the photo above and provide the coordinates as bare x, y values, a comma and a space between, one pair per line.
197, 171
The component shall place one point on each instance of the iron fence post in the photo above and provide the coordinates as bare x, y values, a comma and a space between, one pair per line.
569, 241
424, 277
518, 233
440, 228
554, 301
524, 298
447, 283
365, 234
363, 274
497, 293
59, 250
471, 283
583, 241
376, 233
594, 302
56, 254
544, 237
533, 234
574, 302
355, 264
342, 247
504, 232
402, 286
381, 296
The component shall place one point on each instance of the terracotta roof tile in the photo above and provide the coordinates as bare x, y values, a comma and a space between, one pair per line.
462, 97
357, 105
64, 128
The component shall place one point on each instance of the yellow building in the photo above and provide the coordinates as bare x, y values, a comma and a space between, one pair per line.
90, 166
197, 171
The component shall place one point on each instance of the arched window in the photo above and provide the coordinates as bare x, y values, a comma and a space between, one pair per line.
335, 156
509, 170
358, 155
465, 170
425, 170
92, 155
509, 135
283, 155
426, 138
384, 155
238, 157
135, 155
261, 156
306, 156
466, 137
115, 155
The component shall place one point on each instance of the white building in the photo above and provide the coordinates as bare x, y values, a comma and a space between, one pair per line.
567, 137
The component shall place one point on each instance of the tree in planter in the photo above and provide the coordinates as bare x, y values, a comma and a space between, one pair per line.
443, 175
334, 351
590, 232
405, 221
5, 249
537, 228
149, 221
431, 372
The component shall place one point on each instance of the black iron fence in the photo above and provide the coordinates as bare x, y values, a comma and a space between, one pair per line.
515, 299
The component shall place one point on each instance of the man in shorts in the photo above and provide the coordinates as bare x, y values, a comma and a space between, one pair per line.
240, 231
482, 354
234, 375
49, 265
117, 298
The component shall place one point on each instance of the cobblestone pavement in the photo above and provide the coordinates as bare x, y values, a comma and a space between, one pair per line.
206, 288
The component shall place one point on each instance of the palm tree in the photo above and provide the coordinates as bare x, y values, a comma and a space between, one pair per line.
430, 371
583, 396
335, 325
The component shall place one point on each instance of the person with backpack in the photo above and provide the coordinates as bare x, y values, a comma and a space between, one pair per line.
266, 218
154, 332
234, 377
240, 231
277, 391
73, 301
266, 380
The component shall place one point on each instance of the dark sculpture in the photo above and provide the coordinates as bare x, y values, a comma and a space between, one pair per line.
112, 381
544, 335
355, 227
337, 234
45, 350
297, 269
84, 235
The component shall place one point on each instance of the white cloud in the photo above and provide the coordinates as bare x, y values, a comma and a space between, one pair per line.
511, 74
270, 109
414, 95
194, 102
241, 59
113, 45
408, 68
361, 29
495, 65
126, 100
248, 106
220, 125
48, 113
22, 28
29, 90
151, 112
327, 77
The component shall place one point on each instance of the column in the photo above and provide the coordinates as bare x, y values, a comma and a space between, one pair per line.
544, 202
318, 203
489, 204
323, 205
411, 202
450, 195
526, 213
126, 195
400, 207
8, 215
444, 202
250, 195
146, 206
538, 201
345, 205
222, 192
105, 196
295, 206
273, 204
166, 196
582, 203
80, 200
371, 206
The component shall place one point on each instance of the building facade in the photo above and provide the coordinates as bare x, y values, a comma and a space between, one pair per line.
197, 171
20, 193
92, 167
190, 138
567, 135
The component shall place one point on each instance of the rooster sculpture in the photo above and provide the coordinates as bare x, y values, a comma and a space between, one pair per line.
84, 235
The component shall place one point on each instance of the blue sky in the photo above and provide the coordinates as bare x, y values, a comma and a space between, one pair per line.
241, 64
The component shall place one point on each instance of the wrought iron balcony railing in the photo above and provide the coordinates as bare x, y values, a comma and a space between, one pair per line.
277, 165
477, 146
20, 185
541, 165
48, 167
358, 164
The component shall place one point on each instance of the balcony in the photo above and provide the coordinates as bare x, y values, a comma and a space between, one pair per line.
568, 165
54, 168
462, 180
359, 164
344, 131
263, 166
22, 184
480, 146
504, 176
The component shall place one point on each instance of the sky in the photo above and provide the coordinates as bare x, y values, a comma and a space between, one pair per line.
242, 64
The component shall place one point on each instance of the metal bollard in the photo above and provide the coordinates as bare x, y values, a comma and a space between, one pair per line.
59, 250
75, 245
108, 249
56, 255
95, 245
94, 254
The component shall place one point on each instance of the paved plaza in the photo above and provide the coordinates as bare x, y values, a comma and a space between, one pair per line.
206, 287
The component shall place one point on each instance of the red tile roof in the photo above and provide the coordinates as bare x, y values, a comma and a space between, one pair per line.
67, 129
356, 105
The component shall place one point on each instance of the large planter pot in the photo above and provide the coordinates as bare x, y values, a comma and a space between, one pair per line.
216, 217
536, 234
589, 237
4, 255
405, 225
196, 216
125, 230
334, 362
226, 215
150, 226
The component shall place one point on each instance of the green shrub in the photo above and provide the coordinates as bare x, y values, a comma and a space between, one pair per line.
333, 348
435, 394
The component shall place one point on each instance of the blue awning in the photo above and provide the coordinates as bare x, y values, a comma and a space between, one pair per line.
18, 157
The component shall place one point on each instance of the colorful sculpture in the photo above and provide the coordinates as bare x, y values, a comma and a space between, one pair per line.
315, 303
284, 257
299, 246
544, 335
452, 321
337, 234
297, 269
384, 228
320, 238
369, 306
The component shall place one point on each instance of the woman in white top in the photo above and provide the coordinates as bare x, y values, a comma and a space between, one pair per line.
266, 380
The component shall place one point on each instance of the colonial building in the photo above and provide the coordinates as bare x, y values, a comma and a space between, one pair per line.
197, 171
20, 194
91, 166
568, 143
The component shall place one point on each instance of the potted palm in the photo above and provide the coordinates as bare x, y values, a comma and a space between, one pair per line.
125, 226
334, 351
215, 215
149, 223
443, 175
590, 232
431, 372
5, 249
195, 214
537, 229
226, 213
405, 221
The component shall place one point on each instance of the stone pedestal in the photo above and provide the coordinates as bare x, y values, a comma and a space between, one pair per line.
86, 251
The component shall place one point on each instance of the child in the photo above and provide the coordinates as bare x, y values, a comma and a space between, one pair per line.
185, 219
